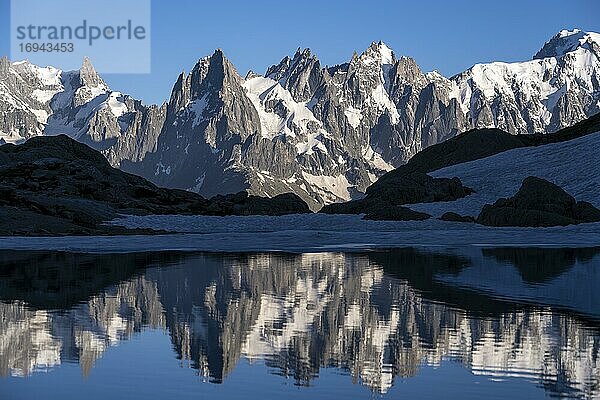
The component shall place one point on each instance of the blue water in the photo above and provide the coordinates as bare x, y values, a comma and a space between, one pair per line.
401, 323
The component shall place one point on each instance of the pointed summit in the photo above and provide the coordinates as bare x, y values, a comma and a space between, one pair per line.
88, 75
301, 75
378, 52
213, 72
567, 41
4, 65
221, 72
276, 72
302, 53
251, 74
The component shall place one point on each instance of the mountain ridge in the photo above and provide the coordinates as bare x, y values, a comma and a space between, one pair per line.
324, 133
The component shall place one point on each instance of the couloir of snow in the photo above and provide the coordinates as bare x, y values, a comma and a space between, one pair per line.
262, 91
573, 165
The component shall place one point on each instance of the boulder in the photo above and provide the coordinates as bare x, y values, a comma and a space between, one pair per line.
454, 217
538, 203
415, 187
243, 204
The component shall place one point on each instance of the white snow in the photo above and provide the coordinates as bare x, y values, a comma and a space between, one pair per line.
572, 165
116, 104
375, 159
11, 137
312, 141
329, 185
298, 116
572, 40
378, 53
47, 76
498, 78
197, 107
95, 91
41, 115
382, 101
387, 55
354, 116
44, 96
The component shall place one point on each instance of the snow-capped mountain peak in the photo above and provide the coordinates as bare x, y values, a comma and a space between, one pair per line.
324, 133
379, 53
567, 41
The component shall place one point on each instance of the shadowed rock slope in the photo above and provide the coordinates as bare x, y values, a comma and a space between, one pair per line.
481, 143
58, 186
410, 184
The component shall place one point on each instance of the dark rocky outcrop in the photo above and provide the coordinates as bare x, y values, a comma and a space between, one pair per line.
468, 146
538, 203
56, 185
417, 188
399, 190
454, 217
244, 204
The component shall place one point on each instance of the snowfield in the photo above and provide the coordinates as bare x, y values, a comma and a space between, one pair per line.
307, 233
573, 165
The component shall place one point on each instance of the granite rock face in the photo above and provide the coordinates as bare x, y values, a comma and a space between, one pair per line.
538, 203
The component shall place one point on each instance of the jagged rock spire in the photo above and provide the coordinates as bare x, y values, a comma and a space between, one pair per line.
88, 75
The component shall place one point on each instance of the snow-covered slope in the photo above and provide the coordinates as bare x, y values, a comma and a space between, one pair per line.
25, 94
558, 88
47, 101
572, 165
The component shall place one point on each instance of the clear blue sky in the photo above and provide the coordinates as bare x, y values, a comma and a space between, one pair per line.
449, 36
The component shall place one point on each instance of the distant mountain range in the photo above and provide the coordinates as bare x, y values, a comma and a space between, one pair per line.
324, 133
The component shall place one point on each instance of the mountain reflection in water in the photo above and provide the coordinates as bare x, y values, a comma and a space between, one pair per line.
377, 316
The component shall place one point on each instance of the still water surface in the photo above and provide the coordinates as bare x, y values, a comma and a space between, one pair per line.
403, 323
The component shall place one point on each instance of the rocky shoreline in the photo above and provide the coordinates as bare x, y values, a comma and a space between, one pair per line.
58, 186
